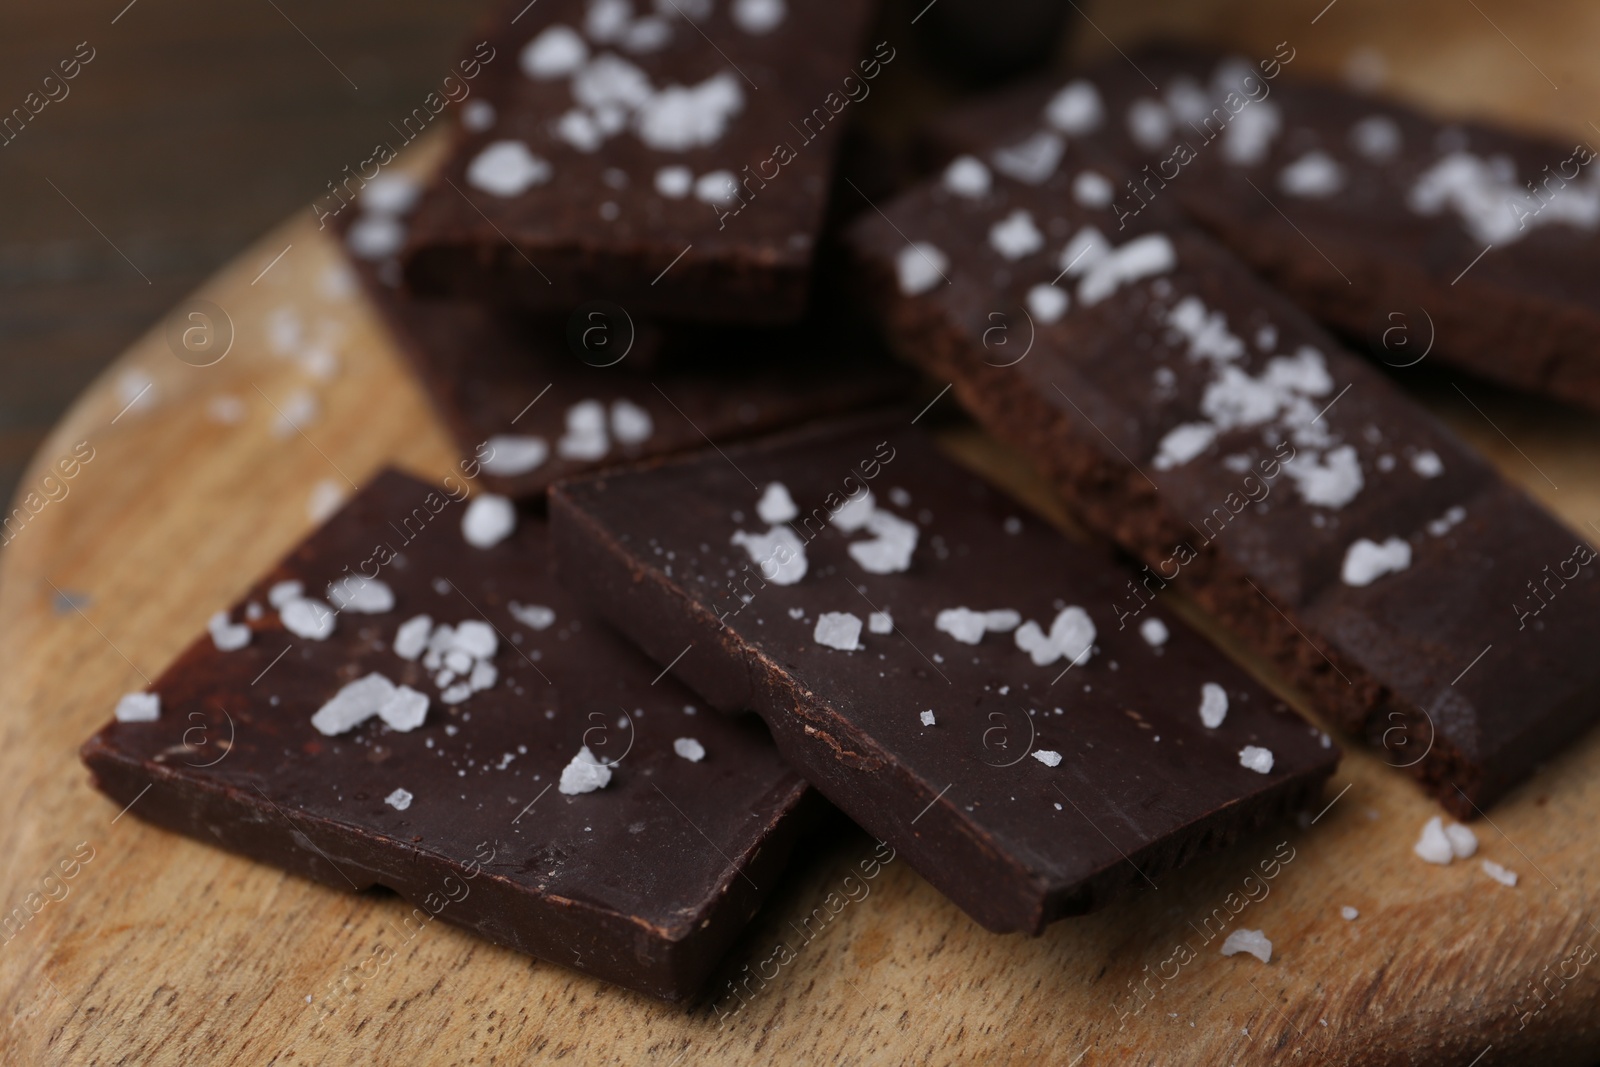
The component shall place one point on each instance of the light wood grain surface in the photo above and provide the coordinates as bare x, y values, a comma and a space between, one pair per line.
159, 949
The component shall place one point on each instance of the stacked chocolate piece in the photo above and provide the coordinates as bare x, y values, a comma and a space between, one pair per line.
577, 698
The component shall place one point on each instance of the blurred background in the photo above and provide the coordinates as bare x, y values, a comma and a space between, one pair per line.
196, 127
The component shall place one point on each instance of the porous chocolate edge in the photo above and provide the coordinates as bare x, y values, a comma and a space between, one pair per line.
1114, 499
847, 767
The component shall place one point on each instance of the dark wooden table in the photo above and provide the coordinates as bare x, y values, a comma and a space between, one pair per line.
195, 127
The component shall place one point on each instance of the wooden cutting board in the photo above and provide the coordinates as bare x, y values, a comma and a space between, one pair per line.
160, 949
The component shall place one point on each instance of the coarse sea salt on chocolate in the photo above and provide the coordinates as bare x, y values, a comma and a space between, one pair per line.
362, 595
779, 553
1016, 235
776, 505
1047, 303
227, 636
1071, 636
584, 774
139, 707
1365, 561
534, 616
405, 709
889, 552
411, 639
399, 800
1214, 708
1030, 161
1154, 632
1047, 757
1256, 758
1314, 174
689, 749
920, 266
488, 520
1076, 109
967, 176
353, 705
507, 169
630, 423
304, 617
513, 454
839, 630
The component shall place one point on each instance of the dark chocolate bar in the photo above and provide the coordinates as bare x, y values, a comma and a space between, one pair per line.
1470, 243
536, 399
448, 723
672, 158
1193, 414
941, 664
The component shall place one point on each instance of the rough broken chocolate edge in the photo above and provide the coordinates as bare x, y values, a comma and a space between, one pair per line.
637, 599
1114, 499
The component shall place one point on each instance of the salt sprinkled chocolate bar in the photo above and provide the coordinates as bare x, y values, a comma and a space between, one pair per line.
1190, 412
1470, 243
410, 700
941, 664
535, 399
673, 158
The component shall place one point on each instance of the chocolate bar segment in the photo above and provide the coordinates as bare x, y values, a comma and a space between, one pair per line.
1470, 242
1188, 411
535, 398
434, 729
672, 158
941, 664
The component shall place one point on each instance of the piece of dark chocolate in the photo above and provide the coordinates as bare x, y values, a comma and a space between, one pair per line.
672, 159
536, 399
1472, 243
941, 664
1190, 412
438, 737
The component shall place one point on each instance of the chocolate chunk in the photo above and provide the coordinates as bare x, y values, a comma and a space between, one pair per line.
673, 161
1191, 413
1470, 242
940, 664
534, 399
448, 768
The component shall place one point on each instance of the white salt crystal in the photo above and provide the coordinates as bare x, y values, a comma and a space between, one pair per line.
689, 749
838, 629
488, 520
1214, 708
139, 707
776, 505
1252, 941
1256, 758
584, 774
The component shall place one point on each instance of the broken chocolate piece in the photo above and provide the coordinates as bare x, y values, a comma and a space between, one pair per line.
1190, 412
674, 161
534, 399
1471, 243
940, 664
443, 747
